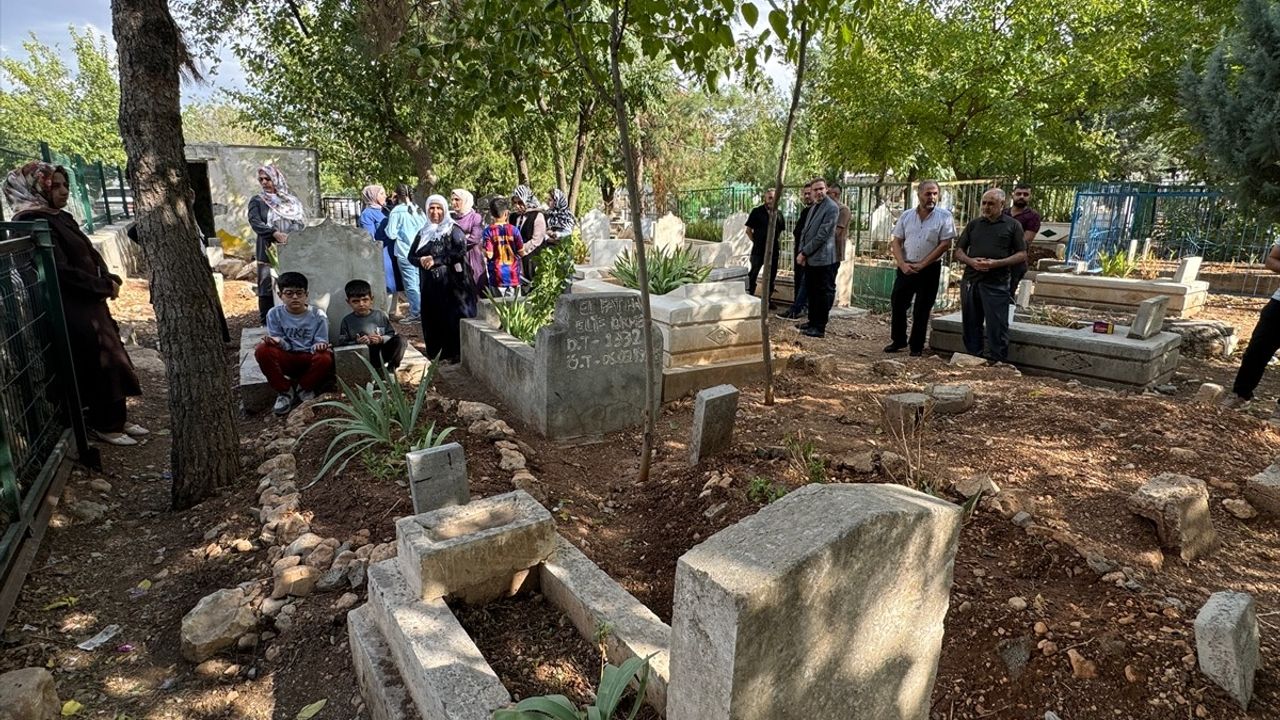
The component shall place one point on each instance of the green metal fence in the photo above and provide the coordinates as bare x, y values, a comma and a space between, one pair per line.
41, 423
100, 194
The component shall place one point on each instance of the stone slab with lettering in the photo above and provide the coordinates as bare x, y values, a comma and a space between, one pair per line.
438, 477
330, 255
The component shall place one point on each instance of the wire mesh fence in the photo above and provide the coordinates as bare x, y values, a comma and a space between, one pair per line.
100, 194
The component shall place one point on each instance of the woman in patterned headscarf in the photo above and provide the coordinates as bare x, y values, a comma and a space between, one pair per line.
472, 224
104, 372
532, 221
273, 213
560, 221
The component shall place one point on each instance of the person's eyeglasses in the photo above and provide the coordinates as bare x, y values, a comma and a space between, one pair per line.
293, 293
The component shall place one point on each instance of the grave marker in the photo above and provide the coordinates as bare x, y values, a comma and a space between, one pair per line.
1188, 269
713, 415
1149, 320
330, 255
595, 226
438, 477
668, 234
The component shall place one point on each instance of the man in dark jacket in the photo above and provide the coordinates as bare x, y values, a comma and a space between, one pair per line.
990, 246
800, 293
757, 228
816, 254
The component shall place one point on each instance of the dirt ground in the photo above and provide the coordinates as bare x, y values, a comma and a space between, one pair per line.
1067, 454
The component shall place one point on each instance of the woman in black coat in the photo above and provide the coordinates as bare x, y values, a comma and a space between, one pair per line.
448, 293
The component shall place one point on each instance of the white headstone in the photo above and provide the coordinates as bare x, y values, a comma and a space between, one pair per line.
330, 255
1188, 269
595, 226
734, 236
669, 233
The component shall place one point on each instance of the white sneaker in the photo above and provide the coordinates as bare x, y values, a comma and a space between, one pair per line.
306, 396
135, 430
115, 438
284, 403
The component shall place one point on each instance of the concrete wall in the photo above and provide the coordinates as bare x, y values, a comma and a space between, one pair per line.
233, 181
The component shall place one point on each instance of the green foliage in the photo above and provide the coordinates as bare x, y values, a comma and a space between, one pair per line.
667, 270
613, 685
763, 491
75, 111
216, 122
1116, 264
805, 458
1232, 105
377, 419
524, 315
708, 230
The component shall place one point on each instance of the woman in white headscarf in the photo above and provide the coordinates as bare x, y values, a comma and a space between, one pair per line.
472, 224
447, 285
273, 213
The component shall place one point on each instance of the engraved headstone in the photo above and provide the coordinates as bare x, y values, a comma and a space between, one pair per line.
330, 255
437, 477
669, 233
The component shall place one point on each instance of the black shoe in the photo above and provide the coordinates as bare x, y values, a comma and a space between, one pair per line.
803, 326
917, 353
788, 315
894, 347
813, 332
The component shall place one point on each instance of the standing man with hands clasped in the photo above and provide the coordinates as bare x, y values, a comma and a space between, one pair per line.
920, 238
816, 256
990, 246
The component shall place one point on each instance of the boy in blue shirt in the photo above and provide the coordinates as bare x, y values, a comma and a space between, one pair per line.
295, 354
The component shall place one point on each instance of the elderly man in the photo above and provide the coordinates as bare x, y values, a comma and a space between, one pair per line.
920, 238
816, 255
757, 228
990, 246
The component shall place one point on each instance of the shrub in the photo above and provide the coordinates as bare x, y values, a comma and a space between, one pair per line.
523, 315
613, 683
667, 270
708, 230
378, 421
763, 491
1116, 264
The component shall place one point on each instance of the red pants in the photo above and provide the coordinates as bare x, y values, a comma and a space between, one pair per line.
284, 368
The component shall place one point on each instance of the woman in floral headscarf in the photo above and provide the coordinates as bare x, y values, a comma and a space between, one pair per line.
532, 221
472, 224
273, 214
448, 291
104, 372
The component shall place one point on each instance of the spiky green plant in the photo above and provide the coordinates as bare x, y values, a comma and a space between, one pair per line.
668, 270
377, 417
613, 684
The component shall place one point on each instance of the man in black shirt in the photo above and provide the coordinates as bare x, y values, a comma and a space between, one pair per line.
757, 228
990, 245
800, 306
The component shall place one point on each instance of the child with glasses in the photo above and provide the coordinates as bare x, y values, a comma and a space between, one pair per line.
295, 354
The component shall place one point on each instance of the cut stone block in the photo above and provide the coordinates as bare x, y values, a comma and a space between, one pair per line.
438, 477
446, 676
1179, 506
828, 603
1121, 294
464, 549
590, 598
349, 364
380, 683
1263, 491
903, 413
255, 394
29, 694
964, 360
714, 410
950, 399
1149, 320
1227, 643
1209, 393
1188, 269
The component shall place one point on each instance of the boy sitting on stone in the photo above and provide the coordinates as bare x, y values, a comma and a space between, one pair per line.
295, 354
368, 326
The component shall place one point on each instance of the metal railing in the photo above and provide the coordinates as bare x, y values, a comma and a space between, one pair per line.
100, 195
41, 423
341, 208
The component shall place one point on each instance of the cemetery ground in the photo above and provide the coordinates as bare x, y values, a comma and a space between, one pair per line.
1032, 625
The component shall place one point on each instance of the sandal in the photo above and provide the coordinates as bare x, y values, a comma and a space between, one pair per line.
135, 430
114, 438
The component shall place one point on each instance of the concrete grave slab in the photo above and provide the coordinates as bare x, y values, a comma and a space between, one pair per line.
255, 394
380, 683
438, 477
1227, 643
474, 550
828, 603
1188, 269
594, 227
1123, 294
330, 255
713, 417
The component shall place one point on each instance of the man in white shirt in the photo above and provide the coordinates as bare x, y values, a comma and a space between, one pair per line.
920, 238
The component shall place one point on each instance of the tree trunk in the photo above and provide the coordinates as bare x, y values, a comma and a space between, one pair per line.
651, 387
423, 162
770, 236
553, 139
581, 143
521, 162
205, 450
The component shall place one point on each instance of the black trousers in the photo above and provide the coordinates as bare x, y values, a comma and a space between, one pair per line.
757, 263
1263, 345
265, 303
108, 416
1016, 273
984, 308
921, 292
387, 354
821, 281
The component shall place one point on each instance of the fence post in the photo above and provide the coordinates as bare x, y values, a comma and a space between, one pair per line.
47, 279
77, 165
124, 192
45, 154
106, 197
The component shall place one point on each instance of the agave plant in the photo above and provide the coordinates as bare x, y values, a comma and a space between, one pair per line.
667, 270
613, 683
376, 416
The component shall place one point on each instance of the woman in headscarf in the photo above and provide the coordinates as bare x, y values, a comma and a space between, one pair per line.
273, 213
403, 225
532, 223
372, 219
103, 370
448, 290
472, 224
560, 221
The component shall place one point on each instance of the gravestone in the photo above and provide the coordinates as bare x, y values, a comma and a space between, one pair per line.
1188, 269
668, 234
438, 477
349, 364
1149, 320
1227, 643
1179, 507
713, 414
1025, 289
330, 255
734, 235
828, 603
595, 226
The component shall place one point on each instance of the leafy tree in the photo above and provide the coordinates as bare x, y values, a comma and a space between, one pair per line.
75, 112
219, 122
1235, 105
